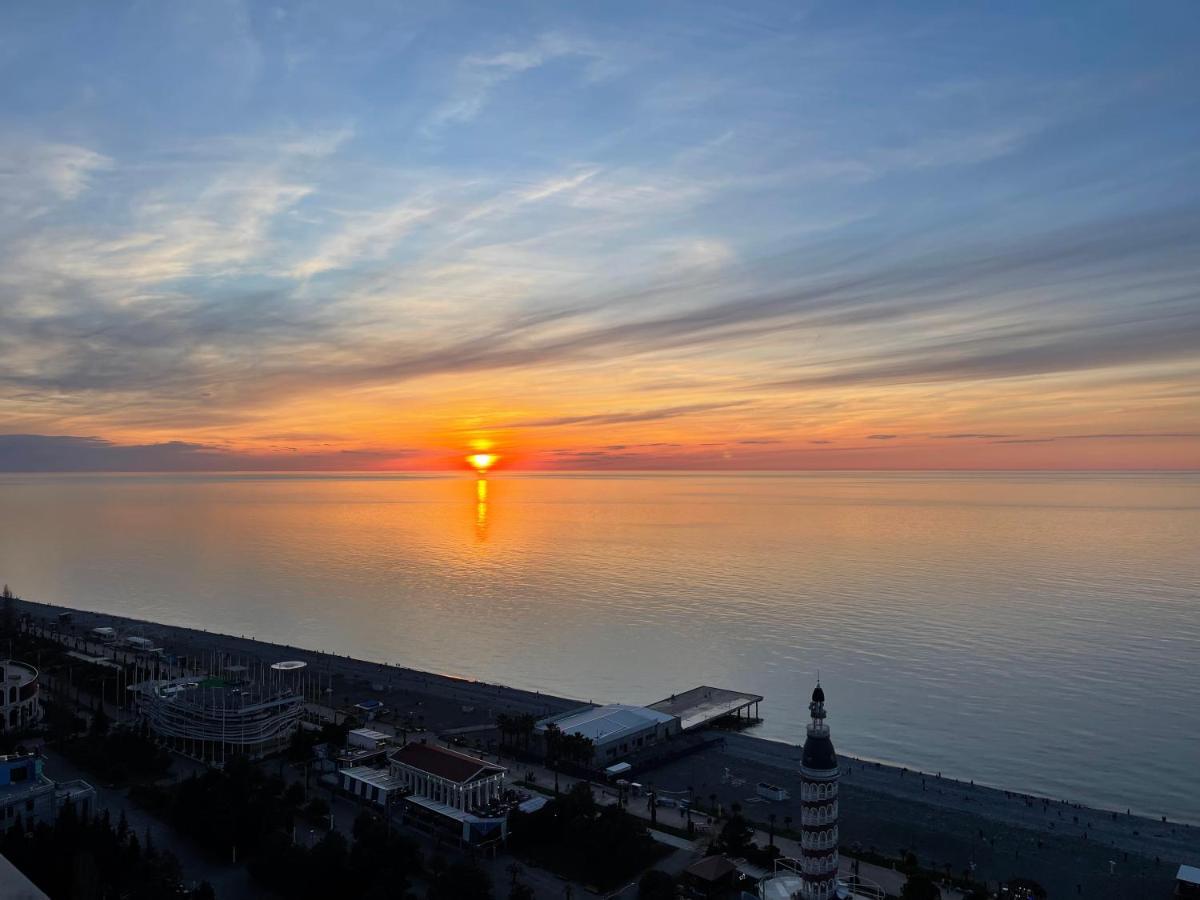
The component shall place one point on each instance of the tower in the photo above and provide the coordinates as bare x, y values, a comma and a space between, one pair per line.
819, 806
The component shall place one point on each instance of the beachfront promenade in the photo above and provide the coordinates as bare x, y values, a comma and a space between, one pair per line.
1073, 850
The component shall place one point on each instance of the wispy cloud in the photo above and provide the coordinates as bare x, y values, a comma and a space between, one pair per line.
479, 75
646, 415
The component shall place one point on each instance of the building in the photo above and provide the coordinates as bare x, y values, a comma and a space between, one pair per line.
1187, 882
19, 704
212, 719
614, 730
818, 807
367, 739
451, 791
27, 793
376, 786
710, 878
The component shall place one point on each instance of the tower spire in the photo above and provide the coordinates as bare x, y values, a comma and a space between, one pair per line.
819, 805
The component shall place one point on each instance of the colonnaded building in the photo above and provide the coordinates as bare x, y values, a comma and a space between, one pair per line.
20, 704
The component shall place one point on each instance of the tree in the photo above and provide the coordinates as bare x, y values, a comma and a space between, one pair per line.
919, 887
462, 881
9, 614
656, 885
735, 833
771, 829
504, 725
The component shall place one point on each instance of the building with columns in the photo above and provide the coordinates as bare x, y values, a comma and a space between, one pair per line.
20, 704
819, 807
451, 791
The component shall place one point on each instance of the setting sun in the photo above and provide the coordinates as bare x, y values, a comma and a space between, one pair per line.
481, 462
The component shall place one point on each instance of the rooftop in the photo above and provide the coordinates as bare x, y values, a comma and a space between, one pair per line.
1188, 875
603, 724
711, 868
704, 704
448, 764
375, 777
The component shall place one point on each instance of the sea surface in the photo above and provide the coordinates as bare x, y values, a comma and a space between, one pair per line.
1036, 632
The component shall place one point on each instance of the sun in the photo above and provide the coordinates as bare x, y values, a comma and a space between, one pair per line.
481, 462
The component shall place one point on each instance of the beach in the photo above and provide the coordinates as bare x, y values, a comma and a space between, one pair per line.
1072, 849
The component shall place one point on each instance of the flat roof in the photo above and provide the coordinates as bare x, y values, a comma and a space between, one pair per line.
375, 777
604, 724
1188, 874
704, 704
450, 812
373, 735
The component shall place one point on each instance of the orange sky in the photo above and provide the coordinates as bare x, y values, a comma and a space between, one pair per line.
800, 245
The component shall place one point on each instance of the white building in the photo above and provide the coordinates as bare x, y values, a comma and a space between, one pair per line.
447, 776
20, 704
376, 786
450, 791
26, 793
615, 730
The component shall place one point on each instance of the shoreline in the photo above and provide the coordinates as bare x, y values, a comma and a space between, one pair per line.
516, 699
888, 806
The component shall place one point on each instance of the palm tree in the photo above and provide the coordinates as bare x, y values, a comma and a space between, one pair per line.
553, 737
504, 724
524, 725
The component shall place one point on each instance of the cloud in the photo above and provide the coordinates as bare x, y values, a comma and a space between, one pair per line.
1112, 436
36, 176
969, 435
882, 437
479, 75
648, 415
70, 453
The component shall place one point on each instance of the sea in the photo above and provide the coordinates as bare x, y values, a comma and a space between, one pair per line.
1039, 632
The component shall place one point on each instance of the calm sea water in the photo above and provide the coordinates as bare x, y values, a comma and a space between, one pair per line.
1036, 632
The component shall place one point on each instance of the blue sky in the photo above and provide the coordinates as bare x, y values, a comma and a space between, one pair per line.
383, 230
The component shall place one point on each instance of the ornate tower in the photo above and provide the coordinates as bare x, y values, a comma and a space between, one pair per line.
819, 806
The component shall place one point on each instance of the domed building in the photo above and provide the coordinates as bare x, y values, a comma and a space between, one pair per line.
819, 807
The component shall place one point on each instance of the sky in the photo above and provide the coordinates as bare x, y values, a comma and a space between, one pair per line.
676, 235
